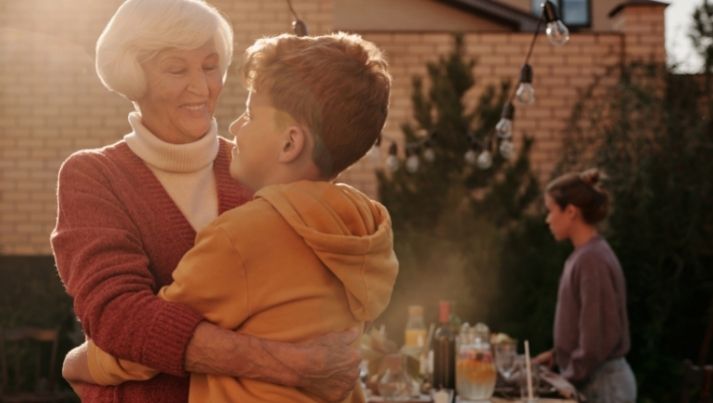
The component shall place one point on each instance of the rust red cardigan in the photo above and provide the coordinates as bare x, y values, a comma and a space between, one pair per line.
117, 240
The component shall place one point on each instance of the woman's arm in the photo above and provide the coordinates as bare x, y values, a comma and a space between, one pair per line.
546, 358
102, 263
327, 366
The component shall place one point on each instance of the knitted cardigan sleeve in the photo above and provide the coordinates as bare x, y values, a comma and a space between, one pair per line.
100, 259
210, 278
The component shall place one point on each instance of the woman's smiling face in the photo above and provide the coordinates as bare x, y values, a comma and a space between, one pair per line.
182, 88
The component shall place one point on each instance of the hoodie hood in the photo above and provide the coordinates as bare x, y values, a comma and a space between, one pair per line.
350, 233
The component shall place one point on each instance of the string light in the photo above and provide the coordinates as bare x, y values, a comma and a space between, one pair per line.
412, 161
525, 91
485, 160
504, 126
557, 32
471, 157
507, 149
298, 26
429, 154
375, 154
392, 161
477, 154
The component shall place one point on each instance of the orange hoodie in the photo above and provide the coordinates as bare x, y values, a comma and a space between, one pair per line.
300, 260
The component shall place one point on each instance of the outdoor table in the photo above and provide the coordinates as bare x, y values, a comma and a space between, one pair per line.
539, 400
427, 399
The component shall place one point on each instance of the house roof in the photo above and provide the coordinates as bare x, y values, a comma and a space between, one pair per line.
505, 14
628, 3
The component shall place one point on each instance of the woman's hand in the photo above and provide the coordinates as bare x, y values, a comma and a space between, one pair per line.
547, 359
326, 366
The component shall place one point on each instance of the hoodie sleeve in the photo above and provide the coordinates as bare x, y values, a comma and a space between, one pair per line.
106, 369
211, 279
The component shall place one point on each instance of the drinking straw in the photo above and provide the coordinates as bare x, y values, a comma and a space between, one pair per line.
529, 372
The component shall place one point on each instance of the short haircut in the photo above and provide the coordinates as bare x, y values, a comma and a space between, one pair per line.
581, 190
142, 28
336, 85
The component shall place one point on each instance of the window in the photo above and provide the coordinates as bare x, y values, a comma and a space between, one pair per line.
574, 13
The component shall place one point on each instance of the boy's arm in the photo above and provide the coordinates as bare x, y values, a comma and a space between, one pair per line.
88, 363
211, 280
105, 369
75, 368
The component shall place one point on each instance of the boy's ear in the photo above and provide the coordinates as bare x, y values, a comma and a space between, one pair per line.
294, 144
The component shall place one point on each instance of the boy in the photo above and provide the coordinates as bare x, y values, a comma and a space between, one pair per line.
306, 256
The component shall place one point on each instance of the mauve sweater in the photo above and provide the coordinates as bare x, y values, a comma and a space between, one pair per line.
118, 238
591, 323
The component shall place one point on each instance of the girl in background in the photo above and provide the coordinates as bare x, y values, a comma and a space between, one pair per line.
591, 330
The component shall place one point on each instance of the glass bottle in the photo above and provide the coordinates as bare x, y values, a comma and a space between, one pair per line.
444, 350
415, 333
394, 382
476, 373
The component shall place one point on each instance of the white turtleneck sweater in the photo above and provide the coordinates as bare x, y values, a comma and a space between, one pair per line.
184, 170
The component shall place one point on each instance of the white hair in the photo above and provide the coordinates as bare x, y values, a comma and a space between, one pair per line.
141, 28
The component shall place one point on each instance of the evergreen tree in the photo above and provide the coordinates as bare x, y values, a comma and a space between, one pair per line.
656, 147
701, 36
451, 218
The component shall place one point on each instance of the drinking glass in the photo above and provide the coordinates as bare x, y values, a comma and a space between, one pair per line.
521, 378
505, 358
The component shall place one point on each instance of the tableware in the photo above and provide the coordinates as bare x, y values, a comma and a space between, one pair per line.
505, 358
475, 370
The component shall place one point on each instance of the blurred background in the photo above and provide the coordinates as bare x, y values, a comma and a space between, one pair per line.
630, 93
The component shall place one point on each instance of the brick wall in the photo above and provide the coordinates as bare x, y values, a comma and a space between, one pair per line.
51, 102
561, 74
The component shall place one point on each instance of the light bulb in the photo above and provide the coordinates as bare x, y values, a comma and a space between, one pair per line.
392, 162
525, 91
429, 154
504, 126
526, 94
299, 27
471, 157
375, 154
507, 149
485, 160
412, 163
557, 33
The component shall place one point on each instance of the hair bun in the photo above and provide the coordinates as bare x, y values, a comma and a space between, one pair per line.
590, 176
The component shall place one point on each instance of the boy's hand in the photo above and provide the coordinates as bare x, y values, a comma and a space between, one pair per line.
75, 368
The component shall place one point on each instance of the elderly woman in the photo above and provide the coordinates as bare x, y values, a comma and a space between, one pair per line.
127, 213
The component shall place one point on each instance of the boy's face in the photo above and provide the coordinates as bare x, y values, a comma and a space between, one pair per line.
258, 141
